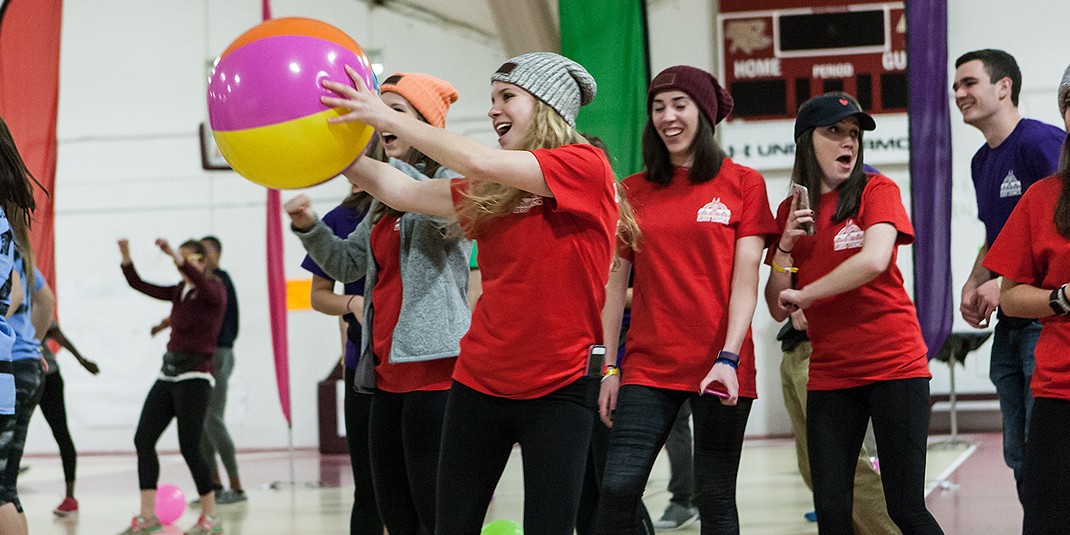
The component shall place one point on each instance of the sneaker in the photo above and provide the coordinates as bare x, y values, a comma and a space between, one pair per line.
230, 496
206, 525
140, 526
68, 507
676, 516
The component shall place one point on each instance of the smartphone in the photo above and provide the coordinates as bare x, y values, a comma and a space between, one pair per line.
802, 202
716, 389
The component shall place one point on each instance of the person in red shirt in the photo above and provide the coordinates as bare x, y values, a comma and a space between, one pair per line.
184, 386
869, 359
414, 312
545, 213
704, 222
1032, 254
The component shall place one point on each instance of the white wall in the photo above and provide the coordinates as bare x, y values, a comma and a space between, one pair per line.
132, 95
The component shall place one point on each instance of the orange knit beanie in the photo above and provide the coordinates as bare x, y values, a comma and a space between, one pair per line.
428, 95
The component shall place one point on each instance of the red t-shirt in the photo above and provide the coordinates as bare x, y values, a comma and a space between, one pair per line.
1030, 250
544, 269
870, 333
683, 274
403, 377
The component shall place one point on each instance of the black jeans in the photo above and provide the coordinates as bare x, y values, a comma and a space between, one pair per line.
187, 402
836, 422
478, 434
54, 410
405, 432
641, 424
364, 516
1046, 469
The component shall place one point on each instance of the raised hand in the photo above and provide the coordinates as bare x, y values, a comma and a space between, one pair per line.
363, 104
299, 208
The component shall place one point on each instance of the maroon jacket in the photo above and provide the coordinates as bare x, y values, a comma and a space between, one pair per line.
195, 320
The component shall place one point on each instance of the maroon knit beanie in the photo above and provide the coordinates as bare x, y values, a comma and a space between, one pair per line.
714, 100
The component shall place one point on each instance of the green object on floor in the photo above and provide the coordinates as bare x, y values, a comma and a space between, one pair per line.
502, 527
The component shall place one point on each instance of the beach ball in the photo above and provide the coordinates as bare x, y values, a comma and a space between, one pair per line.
264, 103
170, 503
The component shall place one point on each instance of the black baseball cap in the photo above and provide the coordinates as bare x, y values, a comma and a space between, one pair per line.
828, 110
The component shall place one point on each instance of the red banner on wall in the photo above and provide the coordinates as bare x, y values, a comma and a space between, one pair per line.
29, 97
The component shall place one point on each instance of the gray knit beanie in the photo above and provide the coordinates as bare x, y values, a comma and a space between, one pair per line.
561, 83
1064, 88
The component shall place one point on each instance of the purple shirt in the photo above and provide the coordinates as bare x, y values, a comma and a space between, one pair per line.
343, 220
1002, 174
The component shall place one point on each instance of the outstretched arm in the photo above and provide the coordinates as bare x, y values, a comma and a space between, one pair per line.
56, 334
468, 157
400, 191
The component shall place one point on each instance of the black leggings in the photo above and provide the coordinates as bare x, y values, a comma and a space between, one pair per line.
478, 434
1046, 469
404, 436
54, 409
186, 401
364, 516
836, 422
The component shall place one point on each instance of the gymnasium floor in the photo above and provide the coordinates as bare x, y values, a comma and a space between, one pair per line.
977, 495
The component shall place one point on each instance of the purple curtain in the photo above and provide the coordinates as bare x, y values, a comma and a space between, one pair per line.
930, 167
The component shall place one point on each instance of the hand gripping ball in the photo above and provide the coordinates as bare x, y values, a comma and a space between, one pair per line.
264, 103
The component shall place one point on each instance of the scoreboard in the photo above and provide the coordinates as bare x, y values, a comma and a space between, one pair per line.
777, 54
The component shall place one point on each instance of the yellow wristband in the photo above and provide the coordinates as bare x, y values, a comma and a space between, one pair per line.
789, 269
610, 372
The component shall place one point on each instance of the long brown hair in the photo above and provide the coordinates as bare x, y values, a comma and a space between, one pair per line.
16, 196
1062, 206
706, 164
807, 172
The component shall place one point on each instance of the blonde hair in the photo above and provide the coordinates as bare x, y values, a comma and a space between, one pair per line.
487, 200
547, 130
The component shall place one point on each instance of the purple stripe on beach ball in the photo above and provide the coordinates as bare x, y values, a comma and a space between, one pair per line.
277, 79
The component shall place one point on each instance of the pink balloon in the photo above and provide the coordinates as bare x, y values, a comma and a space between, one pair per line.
170, 503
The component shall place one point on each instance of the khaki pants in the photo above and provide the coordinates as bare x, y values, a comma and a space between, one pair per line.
870, 513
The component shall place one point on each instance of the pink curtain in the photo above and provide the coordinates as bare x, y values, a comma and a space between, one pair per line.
29, 99
276, 278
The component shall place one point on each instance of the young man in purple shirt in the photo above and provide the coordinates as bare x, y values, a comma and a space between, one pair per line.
1017, 152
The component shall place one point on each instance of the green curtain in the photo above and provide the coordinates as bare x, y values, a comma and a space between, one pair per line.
609, 39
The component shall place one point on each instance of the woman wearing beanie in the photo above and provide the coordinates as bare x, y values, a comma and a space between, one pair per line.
545, 213
690, 328
838, 262
1032, 254
415, 311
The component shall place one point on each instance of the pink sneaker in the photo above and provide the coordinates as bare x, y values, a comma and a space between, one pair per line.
143, 526
68, 507
206, 525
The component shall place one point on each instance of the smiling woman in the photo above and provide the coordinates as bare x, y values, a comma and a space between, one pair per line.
690, 329
545, 212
